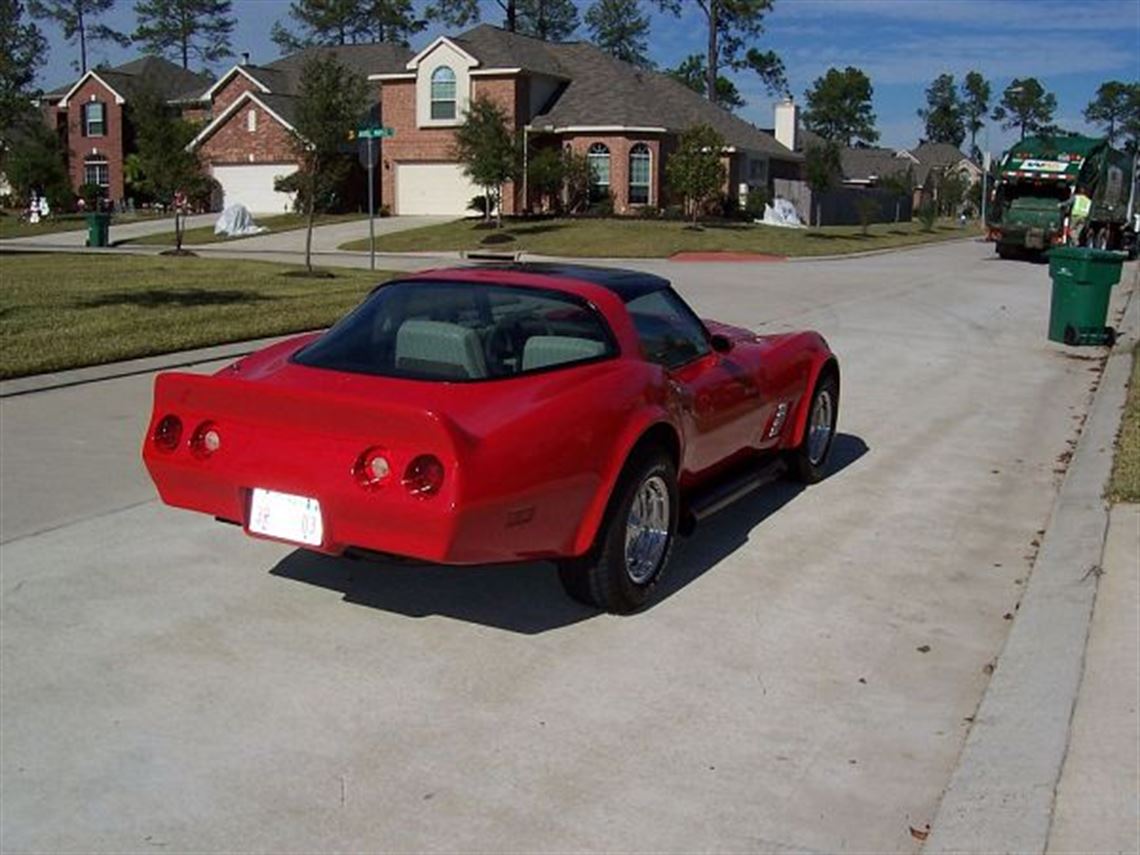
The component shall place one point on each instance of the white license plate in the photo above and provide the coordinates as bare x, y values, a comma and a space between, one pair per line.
285, 516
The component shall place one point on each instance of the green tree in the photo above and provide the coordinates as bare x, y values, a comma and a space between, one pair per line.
322, 22
620, 29
460, 13
578, 178
180, 29
770, 69
487, 149
393, 21
22, 52
1110, 107
331, 100
165, 168
76, 18
730, 27
546, 173
549, 20
692, 73
696, 170
823, 169
36, 160
975, 107
1130, 124
943, 114
1026, 105
839, 107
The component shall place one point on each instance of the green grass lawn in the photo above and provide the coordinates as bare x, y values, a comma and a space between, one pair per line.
63, 311
275, 223
11, 227
631, 238
1125, 483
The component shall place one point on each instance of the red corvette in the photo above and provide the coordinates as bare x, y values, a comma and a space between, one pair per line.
500, 413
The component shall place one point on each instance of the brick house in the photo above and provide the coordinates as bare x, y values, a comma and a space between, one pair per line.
246, 145
625, 119
92, 116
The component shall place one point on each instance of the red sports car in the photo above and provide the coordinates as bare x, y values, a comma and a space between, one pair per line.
500, 413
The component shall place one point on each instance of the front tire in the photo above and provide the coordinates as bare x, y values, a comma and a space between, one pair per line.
809, 460
637, 537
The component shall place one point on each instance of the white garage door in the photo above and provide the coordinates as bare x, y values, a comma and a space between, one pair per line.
433, 188
252, 186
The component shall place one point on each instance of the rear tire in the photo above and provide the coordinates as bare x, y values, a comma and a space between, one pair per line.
633, 547
808, 463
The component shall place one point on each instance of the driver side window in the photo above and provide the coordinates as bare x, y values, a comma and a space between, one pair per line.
670, 335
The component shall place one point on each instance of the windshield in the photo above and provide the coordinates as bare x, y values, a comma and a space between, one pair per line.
461, 331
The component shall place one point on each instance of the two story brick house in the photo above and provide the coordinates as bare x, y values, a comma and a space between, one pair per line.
247, 145
625, 119
92, 115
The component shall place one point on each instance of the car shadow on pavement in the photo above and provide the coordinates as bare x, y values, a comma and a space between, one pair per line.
527, 598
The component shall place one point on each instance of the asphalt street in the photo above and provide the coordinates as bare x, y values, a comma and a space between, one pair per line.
806, 681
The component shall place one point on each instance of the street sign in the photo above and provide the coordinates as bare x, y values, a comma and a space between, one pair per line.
364, 133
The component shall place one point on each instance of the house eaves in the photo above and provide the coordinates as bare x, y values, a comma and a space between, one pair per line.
225, 78
415, 61
119, 99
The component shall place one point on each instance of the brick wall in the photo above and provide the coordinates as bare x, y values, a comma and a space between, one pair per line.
619, 147
109, 145
234, 143
229, 93
413, 144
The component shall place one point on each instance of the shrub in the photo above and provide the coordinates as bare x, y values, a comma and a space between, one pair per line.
649, 212
866, 206
603, 206
479, 204
754, 203
927, 214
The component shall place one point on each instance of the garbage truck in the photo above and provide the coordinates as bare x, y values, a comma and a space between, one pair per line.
1063, 189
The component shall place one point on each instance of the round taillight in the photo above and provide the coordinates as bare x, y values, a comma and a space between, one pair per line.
206, 440
167, 433
424, 476
372, 468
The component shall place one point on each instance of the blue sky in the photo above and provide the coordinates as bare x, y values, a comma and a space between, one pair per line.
1071, 47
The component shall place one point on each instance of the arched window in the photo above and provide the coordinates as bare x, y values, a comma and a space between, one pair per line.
639, 172
599, 159
443, 93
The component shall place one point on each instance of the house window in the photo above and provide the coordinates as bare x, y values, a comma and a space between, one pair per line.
599, 159
96, 172
639, 172
94, 119
758, 171
443, 93
251, 120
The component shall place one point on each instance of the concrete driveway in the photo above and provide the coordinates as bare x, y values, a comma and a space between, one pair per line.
120, 232
804, 683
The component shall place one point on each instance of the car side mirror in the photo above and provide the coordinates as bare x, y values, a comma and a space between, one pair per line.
721, 343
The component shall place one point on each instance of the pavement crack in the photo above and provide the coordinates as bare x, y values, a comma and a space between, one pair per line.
71, 522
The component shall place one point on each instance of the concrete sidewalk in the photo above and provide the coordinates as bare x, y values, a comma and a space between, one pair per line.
120, 232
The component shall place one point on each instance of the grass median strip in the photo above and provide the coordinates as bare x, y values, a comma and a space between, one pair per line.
1125, 483
63, 311
11, 226
631, 238
274, 223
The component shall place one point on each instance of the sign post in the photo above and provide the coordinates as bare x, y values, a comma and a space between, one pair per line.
368, 151
985, 189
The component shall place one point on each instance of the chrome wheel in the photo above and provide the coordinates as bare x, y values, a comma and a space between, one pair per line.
819, 428
647, 530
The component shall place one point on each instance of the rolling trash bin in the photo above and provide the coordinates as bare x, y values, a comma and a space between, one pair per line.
98, 229
1082, 283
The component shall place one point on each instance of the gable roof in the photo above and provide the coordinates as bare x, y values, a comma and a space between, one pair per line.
867, 164
599, 91
172, 82
280, 107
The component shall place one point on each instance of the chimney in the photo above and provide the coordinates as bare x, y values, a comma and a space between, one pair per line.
245, 58
787, 123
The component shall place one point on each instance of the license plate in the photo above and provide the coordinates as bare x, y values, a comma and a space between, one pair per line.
287, 517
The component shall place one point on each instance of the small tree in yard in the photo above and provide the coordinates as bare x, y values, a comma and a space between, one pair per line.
545, 174
866, 206
823, 169
488, 151
695, 170
578, 177
166, 170
331, 100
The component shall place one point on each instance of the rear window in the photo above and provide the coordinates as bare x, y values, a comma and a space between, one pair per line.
461, 331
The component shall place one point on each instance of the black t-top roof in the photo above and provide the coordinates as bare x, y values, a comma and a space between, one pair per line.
627, 284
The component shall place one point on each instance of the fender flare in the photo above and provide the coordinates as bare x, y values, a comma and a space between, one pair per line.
825, 361
648, 420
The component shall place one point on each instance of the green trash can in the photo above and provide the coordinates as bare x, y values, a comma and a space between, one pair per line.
1082, 283
98, 229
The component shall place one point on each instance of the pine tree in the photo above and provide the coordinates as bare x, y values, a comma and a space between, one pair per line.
942, 116
1027, 106
619, 28
22, 52
323, 22
391, 21
76, 18
460, 13
731, 25
975, 107
839, 107
181, 28
692, 72
1111, 106
549, 20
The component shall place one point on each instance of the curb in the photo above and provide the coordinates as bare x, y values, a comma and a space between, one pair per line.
133, 367
1001, 795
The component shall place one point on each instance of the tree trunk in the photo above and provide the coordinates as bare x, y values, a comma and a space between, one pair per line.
177, 231
82, 41
499, 207
312, 217
713, 58
512, 17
